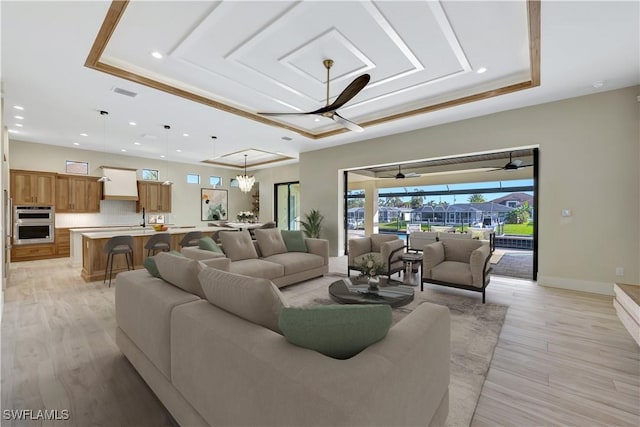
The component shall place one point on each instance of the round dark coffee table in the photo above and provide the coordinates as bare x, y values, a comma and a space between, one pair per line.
356, 291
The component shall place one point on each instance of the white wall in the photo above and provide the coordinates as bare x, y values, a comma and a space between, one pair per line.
185, 197
267, 178
589, 162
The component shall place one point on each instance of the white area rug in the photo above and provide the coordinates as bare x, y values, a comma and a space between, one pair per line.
475, 328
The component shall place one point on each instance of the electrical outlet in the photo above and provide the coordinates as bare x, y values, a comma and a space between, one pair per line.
619, 271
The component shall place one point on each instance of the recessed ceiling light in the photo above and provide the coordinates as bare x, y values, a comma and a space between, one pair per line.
162, 156
19, 125
137, 143
598, 84
19, 117
84, 134
316, 119
76, 143
13, 131
178, 151
17, 107
185, 134
156, 54
132, 123
481, 70
123, 150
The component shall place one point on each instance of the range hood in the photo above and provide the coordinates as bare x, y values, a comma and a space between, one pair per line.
122, 184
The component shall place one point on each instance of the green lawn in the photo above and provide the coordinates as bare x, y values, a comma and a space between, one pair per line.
522, 229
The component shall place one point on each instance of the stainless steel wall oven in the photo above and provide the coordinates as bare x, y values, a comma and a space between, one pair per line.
33, 224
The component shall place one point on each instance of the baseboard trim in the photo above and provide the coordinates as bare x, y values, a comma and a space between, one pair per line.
602, 288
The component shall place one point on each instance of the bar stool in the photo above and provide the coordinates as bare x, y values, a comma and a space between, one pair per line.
191, 239
158, 242
118, 245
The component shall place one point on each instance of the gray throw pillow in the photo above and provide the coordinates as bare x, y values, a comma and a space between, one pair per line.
180, 272
254, 299
270, 241
294, 241
338, 331
238, 245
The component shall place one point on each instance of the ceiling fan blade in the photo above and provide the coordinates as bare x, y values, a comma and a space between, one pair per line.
282, 114
346, 123
412, 175
349, 92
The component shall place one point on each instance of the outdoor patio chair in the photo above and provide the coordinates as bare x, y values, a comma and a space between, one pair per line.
386, 248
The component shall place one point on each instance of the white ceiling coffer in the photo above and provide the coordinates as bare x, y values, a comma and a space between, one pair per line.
123, 184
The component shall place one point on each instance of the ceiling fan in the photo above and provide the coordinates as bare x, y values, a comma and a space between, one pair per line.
401, 175
512, 165
329, 110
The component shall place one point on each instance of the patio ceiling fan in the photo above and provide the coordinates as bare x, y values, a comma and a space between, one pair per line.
401, 175
330, 110
512, 165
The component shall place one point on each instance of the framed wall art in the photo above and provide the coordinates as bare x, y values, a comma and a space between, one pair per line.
213, 204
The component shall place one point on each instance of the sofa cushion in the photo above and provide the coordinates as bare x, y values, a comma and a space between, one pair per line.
294, 241
208, 244
270, 241
453, 272
254, 299
257, 268
221, 263
195, 252
378, 239
180, 271
296, 262
143, 307
460, 249
338, 331
238, 245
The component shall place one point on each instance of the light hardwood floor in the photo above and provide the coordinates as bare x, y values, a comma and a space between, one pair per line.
563, 357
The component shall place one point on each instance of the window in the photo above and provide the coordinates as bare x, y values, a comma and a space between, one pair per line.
150, 174
193, 178
512, 203
215, 181
77, 167
233, 182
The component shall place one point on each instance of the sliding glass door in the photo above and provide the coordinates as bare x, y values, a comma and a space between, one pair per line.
287, 205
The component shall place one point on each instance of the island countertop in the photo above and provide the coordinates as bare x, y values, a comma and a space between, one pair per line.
148, 231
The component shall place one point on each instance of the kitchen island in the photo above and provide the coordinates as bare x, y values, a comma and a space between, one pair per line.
94, 259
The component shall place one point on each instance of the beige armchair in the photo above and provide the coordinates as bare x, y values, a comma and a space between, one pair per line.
386, 248
457, 263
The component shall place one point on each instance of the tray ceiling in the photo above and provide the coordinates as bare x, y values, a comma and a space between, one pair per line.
246, 57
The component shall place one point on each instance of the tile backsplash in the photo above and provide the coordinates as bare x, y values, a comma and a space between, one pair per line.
112, 213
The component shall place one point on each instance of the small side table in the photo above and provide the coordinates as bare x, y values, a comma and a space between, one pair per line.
408, 259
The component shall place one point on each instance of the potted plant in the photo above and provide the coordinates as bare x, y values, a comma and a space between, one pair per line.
312, 223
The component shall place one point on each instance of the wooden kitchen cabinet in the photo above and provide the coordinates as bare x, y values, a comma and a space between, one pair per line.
154, 197
32, 187
78, 194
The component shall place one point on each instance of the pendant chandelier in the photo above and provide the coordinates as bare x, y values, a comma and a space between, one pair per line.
245, 182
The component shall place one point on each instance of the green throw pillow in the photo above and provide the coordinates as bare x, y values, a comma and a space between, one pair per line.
150, 264
294, 241
208, 244
338, 331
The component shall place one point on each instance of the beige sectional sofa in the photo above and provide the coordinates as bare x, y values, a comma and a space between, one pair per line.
210, 367
267, 257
